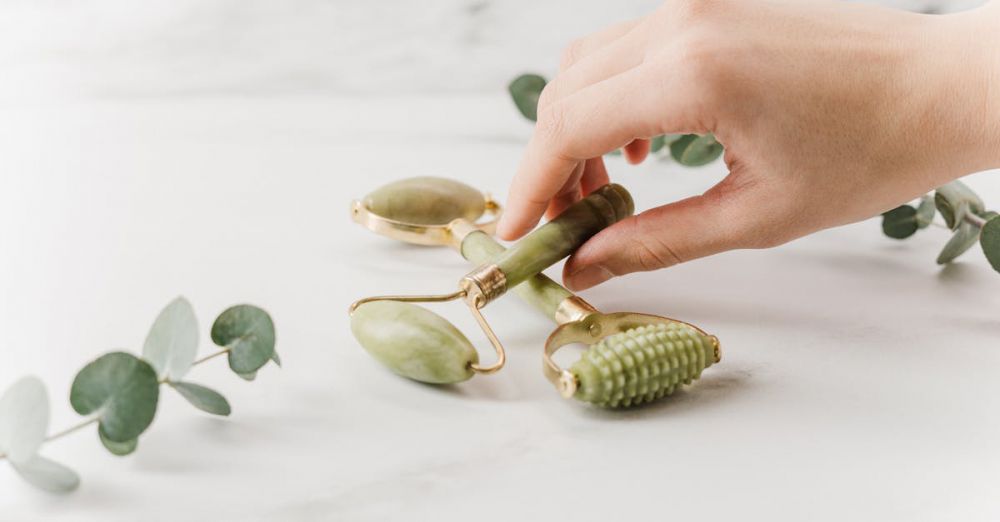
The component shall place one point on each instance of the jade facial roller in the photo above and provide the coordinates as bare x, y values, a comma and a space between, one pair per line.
421, 345
633, 358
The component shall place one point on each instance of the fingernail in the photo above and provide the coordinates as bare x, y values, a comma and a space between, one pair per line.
584, 278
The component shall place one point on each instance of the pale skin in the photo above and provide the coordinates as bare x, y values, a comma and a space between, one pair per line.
830, 114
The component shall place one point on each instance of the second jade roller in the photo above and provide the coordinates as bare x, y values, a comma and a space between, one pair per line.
419, 344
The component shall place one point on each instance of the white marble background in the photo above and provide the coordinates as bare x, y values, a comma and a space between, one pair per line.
115, 48
210, 147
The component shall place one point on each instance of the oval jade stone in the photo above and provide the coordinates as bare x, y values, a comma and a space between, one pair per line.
414, 342
426, 201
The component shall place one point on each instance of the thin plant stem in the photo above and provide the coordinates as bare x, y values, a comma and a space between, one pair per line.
974, 220
71, 429
92, 420
210, 356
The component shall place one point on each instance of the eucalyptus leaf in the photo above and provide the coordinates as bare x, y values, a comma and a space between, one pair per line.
954, 200
656, 144
172, 342
989, 240
48, 475
694, 151
205, 399
24, 419
117, 448
525, 90
249, 376
122, 390
900, 222
965, 236
926, 211
248, 333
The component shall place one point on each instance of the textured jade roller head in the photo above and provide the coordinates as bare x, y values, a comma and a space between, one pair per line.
631, 358
421, 345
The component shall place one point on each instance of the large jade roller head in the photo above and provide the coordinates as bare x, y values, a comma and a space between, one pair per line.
421, 345
630, 359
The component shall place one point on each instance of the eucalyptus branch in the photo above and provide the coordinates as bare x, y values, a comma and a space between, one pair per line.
120, 392
964, 214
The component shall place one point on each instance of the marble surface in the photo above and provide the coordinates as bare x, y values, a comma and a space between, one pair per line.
858, 380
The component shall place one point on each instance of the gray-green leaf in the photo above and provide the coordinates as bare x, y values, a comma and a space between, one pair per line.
205, 399
117, 448
925, 212
954, 200
656, 144
694, 151
525, 90
989, 240
24, 419
963, 239
172, 342
122, 390
48, 475
900, 222
248, 333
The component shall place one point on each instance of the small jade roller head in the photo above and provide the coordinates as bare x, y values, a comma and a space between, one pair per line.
632, 358
414, 342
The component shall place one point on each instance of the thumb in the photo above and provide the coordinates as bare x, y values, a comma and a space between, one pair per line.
664, 236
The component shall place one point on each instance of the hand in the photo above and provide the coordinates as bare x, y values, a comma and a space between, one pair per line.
830, 113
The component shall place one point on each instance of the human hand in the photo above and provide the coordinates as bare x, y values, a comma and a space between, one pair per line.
830, 113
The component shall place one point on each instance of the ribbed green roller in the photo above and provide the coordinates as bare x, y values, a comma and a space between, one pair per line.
642, 364
631, 358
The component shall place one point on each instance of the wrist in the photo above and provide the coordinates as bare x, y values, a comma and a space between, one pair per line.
969, 77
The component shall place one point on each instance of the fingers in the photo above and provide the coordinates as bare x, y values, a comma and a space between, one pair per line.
588, 44
695, 227
637, 151
589, 123
595, 175
568, 194
614, 58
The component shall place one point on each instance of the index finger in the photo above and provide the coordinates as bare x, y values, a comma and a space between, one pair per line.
584, 125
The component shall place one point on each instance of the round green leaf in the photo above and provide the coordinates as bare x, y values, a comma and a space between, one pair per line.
248, 333
172, 342
965, 236
525, 90
122, 390
24, 419
657, 143
48, 475
925, 212
954, 200
900, 222
249, 376
989, 239
117, 448
205, 399
694, 151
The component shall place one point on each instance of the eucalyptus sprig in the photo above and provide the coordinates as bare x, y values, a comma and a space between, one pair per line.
964, 214
691, 150
119, 392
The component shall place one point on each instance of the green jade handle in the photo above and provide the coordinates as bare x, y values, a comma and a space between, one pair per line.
560, 237
540, 291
